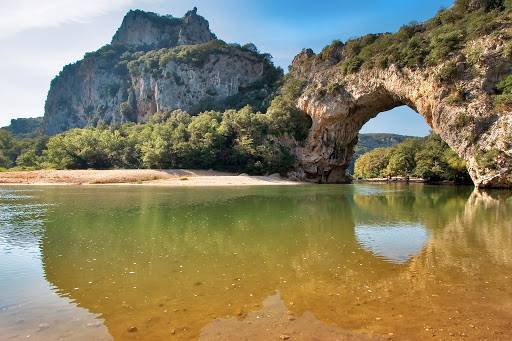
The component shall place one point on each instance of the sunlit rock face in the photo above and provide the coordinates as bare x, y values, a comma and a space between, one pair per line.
340, 104
157, 64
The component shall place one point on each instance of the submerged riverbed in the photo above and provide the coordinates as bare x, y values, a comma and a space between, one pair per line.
356, 261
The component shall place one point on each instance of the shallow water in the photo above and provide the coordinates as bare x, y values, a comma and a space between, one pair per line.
305, 262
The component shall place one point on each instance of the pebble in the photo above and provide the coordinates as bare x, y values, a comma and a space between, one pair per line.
43, 326
284, 337
132, 329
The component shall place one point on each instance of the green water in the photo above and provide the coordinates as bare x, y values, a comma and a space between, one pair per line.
354, 261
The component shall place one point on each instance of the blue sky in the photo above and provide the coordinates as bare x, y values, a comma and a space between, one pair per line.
37, 38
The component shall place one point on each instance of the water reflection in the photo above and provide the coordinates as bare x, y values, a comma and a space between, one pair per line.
394, 243
29, 307
157, 263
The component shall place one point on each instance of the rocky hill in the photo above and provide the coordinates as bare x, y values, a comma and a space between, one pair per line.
455, 70
158, 63
25, 127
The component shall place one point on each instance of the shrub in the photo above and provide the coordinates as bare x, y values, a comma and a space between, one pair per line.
463, 120
447, 72
457, 96
503, 101
235, 140
488, 159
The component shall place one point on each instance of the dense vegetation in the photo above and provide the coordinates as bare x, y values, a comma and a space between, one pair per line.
20, 152
428, 43
235, 140
368, 142
429, 158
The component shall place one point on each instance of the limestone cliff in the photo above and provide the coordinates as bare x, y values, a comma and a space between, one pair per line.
447, 69
157, 63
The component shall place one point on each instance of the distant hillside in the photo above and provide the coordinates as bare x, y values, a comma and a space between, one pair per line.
25, 127
368, 142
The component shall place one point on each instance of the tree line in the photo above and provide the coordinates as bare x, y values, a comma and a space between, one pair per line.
234, 140
429, 158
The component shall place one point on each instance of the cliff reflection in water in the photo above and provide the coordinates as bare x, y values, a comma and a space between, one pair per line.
171, 261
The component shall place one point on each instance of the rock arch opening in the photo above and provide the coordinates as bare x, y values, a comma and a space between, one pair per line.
338, 118
400, 121
387, 129
339, 106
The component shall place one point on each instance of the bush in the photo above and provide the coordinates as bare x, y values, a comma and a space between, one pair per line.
447, 72
463, 120
503, 101
488, 159
12, 148
283, 114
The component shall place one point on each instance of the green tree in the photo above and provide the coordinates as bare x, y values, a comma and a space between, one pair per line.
28, 159
402, 159
372, 164
431, 163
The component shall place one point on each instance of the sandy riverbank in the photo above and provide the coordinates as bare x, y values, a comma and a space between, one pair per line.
171, 178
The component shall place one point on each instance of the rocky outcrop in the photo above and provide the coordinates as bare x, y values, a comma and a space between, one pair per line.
220, 74
145, 30
157, 63
455, 97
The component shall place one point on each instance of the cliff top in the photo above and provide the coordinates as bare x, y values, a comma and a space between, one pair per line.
419, 44
148, 30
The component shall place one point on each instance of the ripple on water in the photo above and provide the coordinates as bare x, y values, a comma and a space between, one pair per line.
21, 221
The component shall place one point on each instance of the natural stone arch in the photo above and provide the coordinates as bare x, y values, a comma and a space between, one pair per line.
339, 105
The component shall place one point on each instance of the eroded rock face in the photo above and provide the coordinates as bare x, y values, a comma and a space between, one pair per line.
155, 63
340, 104
151, 31
186, 86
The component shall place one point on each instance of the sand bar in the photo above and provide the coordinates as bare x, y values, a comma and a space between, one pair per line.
170, 177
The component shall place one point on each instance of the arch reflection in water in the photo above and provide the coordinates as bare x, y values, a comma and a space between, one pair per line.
394, 243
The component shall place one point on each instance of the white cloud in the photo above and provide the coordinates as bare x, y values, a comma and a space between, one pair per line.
21, 15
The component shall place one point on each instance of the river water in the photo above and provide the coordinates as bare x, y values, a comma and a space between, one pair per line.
402, 262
